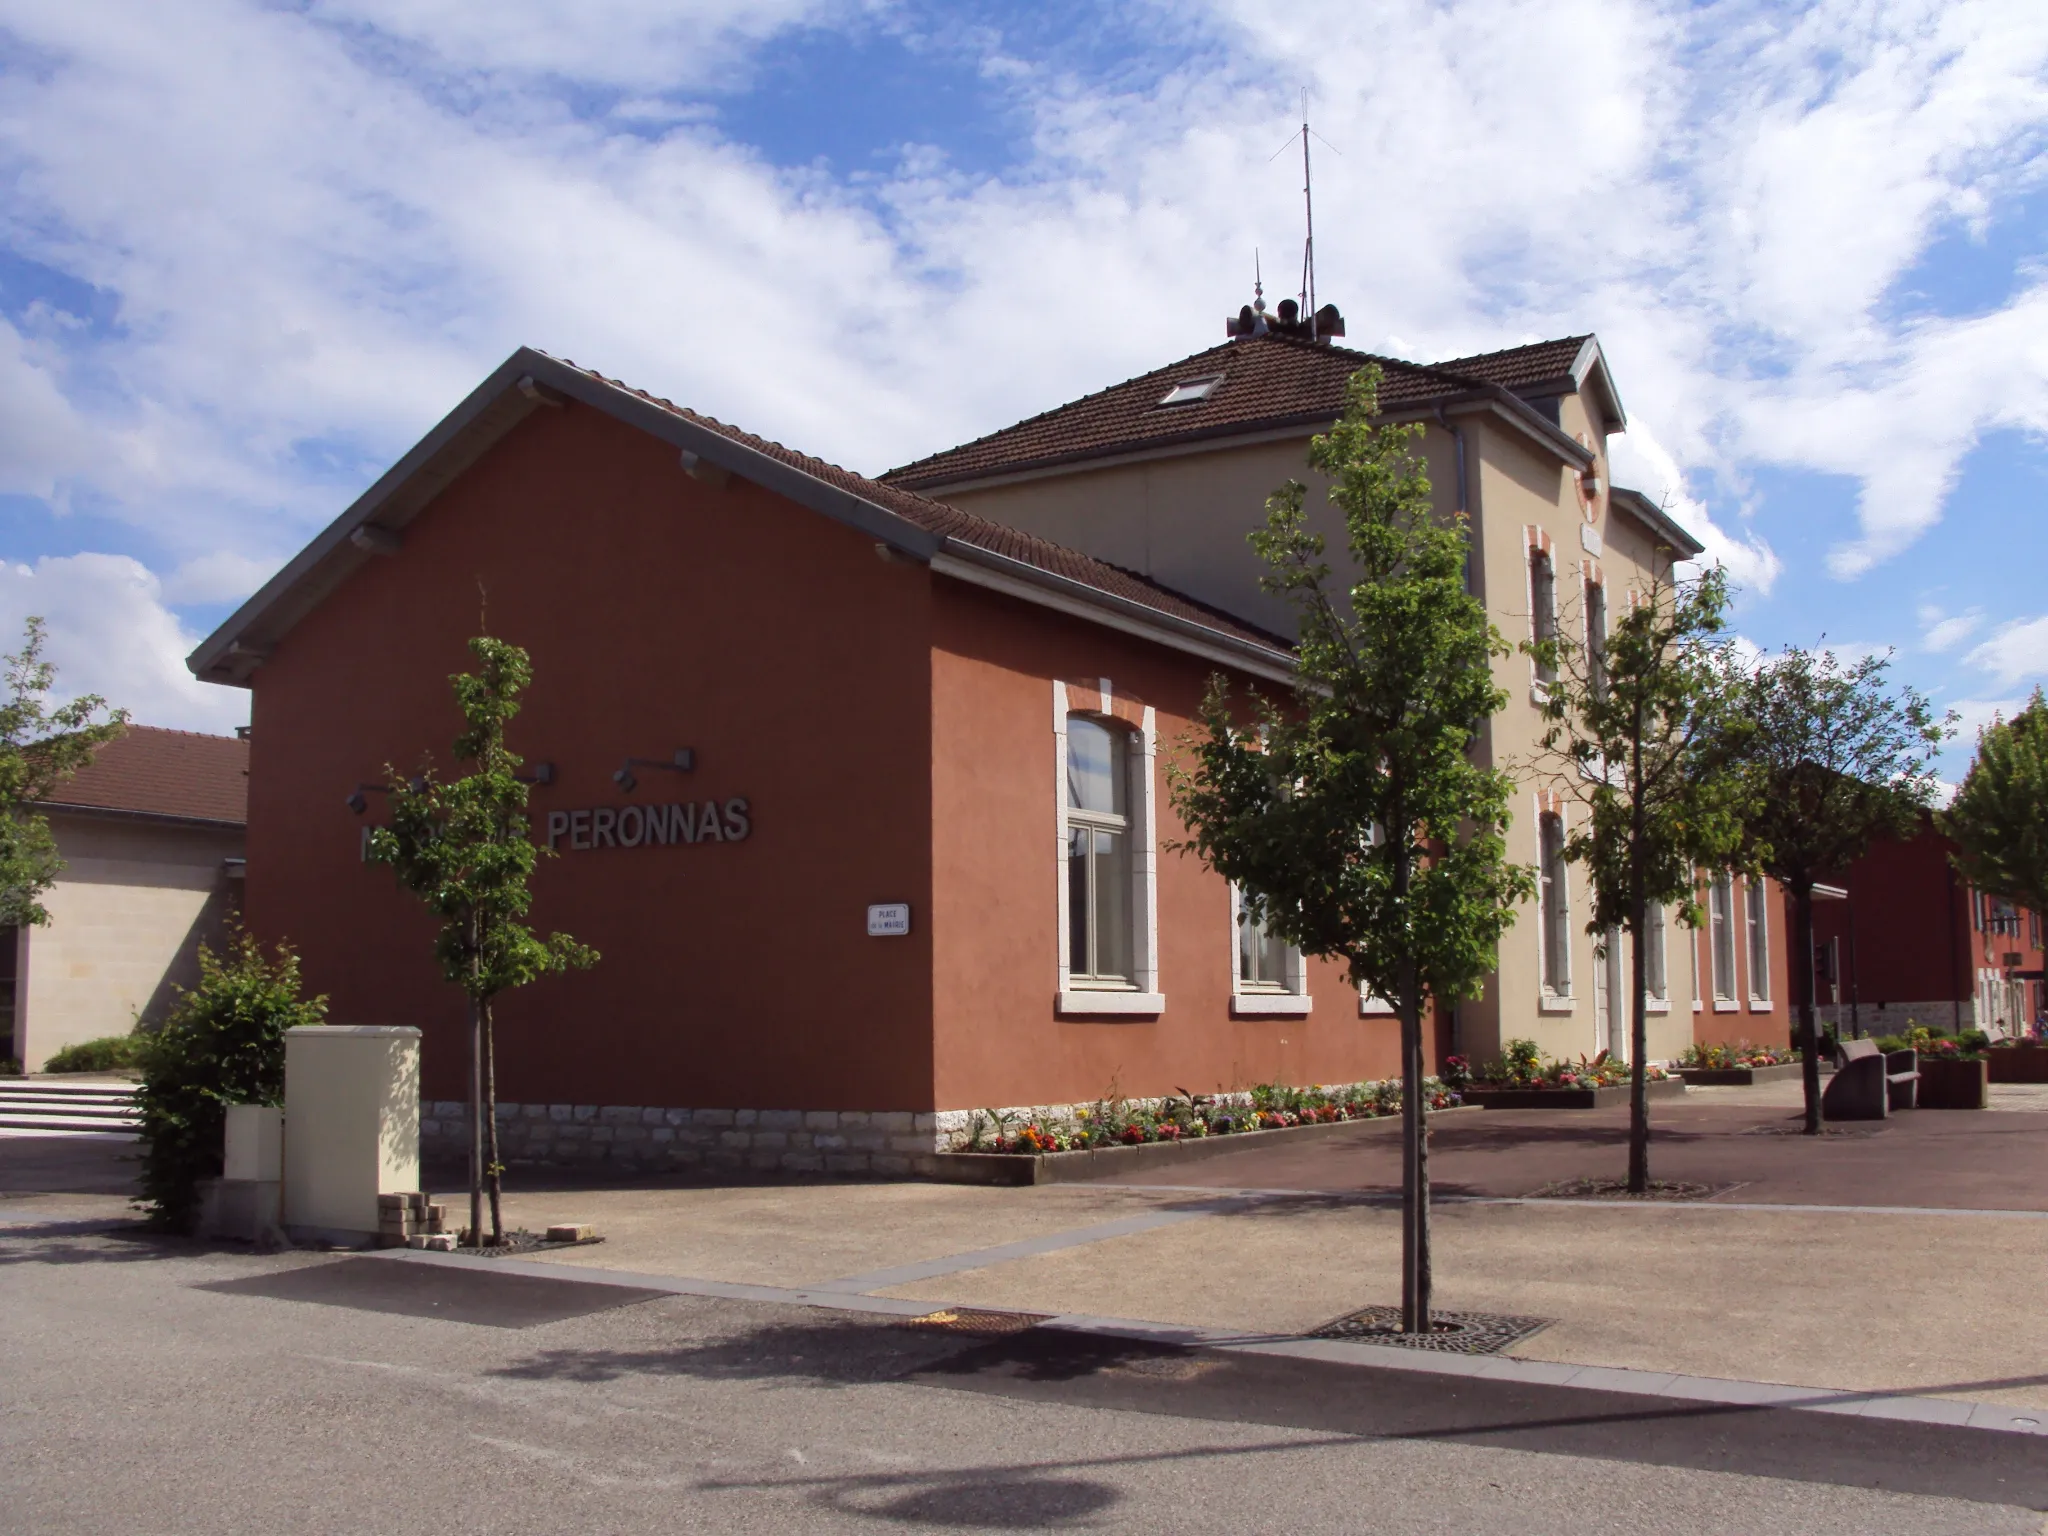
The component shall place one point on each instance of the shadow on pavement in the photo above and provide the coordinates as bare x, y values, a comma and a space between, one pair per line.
1056, 1368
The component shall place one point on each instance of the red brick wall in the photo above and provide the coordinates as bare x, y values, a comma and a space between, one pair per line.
660, 613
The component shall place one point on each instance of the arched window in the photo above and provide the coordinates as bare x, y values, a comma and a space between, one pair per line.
1721, 938
1099, 929
1108, 892
1556, 906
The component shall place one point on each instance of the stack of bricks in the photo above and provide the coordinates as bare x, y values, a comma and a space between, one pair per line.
408, 1221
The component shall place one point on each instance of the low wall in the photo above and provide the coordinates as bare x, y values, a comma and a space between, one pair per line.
887, 1142
1895, 1018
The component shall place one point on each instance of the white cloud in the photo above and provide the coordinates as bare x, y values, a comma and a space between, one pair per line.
2014, 652
110, 634
1972, 715
1944, 632
223, 576
324, 223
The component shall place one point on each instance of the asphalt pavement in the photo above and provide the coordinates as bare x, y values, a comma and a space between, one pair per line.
156, 1386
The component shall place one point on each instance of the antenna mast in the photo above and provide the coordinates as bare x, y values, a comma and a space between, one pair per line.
1308, 249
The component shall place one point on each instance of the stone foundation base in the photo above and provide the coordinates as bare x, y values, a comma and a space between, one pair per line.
898, 1143
1893, 1018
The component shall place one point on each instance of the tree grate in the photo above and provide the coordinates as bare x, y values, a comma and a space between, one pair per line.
973, 1321
1454, 1333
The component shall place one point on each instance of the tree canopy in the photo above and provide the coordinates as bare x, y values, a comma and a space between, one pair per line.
1999, 818
41, 745
1353, 816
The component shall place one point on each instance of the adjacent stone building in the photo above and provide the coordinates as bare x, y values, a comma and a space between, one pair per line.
151, 837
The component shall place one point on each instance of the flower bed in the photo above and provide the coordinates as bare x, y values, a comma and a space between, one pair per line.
1524, 1070
1736, 1065
1115, 1121
1602, 1096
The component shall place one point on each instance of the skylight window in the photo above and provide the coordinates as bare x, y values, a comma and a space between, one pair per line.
1189, 391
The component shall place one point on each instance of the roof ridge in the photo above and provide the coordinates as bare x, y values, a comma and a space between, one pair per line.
174, 730
1067, 405
1579, 339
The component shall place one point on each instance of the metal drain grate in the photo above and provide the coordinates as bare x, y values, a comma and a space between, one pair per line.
969, 1320
1456, 1333
1798, 1128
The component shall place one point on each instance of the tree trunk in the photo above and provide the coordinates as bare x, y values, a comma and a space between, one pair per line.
1809, 1050
476, 1097
1415, 1265
476, 1124
492, 1165
1639, 1044
1415, 1268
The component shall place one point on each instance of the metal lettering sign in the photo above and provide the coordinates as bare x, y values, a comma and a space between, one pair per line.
646, 826
889, 920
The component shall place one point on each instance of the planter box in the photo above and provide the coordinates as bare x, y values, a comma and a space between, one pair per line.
1737, 1077
1009, 1168
2018, 1063
1954, 1084
1568, 1098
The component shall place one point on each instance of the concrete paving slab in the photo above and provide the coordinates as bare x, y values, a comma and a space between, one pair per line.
1682, 1289
811, 1234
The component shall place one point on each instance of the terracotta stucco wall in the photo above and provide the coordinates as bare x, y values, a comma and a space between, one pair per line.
999, 1039
127, 916
660, 613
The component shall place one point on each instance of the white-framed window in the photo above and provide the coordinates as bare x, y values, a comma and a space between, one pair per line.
1721, 939
1542, 610
1596, 632
1555, 908
1757, 902
1108, 879
1692, 950
1267, 974
1656, 975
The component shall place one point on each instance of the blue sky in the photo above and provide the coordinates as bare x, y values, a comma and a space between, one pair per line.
250, 251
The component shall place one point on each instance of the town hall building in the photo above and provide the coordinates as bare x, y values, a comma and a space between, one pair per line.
858, 785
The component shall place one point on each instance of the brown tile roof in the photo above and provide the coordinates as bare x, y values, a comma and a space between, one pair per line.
1519, 367
150, 771
937, 518
1268, 381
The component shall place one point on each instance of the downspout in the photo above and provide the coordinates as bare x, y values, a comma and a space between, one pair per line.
1955, 965
1463, 508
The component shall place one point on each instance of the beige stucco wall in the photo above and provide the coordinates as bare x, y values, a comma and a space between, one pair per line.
126, 919
1182, 520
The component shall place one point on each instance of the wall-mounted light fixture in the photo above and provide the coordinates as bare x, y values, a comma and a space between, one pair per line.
684, 761
543, 773
357, 803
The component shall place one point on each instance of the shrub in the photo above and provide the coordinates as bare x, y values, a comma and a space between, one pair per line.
109, 1053
223, 1044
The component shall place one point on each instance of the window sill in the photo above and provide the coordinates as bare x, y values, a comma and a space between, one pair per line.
1557, 1005
1760, 1005
1291, 1004
1656, 1007
1105, 1001
1726, 1005
1374, 1008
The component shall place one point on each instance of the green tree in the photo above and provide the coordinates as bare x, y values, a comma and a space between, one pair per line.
1999, 818
222, 1044
41, 745
461, 846
1836, 758
1354, 817
1639, 717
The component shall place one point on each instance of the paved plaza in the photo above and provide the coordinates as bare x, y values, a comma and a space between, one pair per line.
1837, 1317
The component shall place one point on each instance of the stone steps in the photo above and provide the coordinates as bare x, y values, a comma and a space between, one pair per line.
52, 1107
